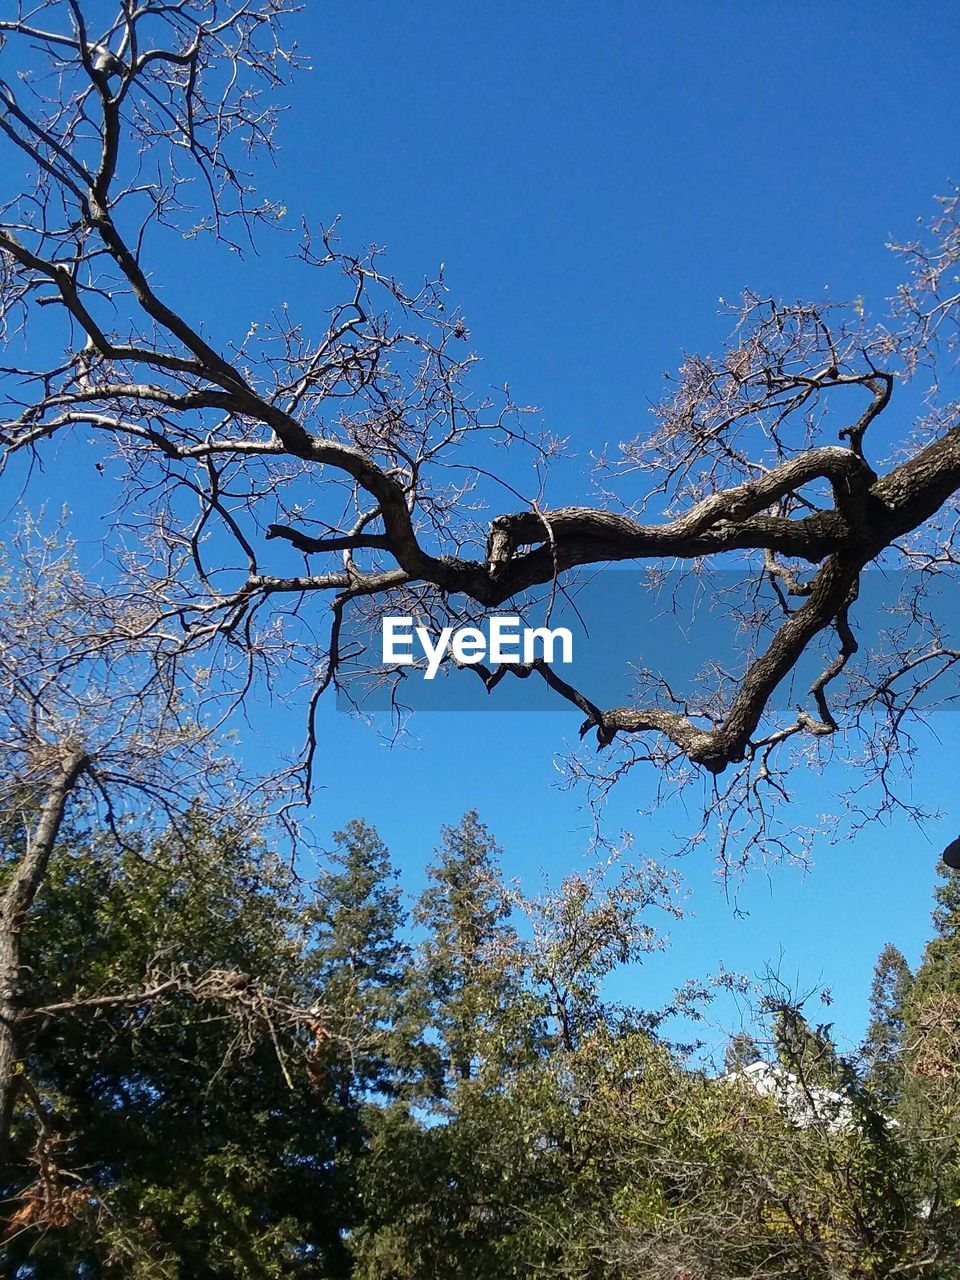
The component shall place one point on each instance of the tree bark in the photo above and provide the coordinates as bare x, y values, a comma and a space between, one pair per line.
25, 881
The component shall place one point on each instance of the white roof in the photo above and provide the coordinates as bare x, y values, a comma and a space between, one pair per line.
804, 1104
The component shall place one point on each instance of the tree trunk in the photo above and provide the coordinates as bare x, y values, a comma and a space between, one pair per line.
25, 881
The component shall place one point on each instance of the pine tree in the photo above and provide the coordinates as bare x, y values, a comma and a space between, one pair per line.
470, 948
928, 1109
361, 964
892, 981
932, 1009
189, 1136
940, 968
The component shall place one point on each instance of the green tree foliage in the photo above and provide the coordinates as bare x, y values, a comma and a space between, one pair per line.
939, 971
929, 1104
469, 950
360, 961
742, 1051
884, 1043
598, 920
605, 1154
199, 1132
804, 1049
614, 1162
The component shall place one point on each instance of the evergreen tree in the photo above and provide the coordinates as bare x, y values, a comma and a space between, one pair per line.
932, 1021
183, 1135
939, 969
929, 1107
470, 949
892, 981
179, 1141
361, 965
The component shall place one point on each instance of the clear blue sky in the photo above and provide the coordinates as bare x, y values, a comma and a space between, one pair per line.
595, 177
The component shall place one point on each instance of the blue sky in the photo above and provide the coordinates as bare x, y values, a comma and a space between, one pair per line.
595, 177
